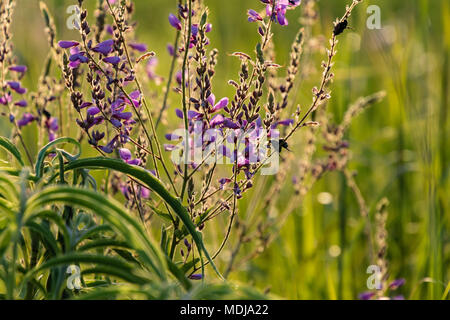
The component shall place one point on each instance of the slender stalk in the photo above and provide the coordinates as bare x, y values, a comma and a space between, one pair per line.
169, 80
185, 109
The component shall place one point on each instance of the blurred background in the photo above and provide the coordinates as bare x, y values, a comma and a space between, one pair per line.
400, 147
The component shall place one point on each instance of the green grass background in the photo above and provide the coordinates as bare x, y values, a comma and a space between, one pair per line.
400, 147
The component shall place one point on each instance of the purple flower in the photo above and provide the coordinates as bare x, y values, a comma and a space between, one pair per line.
20, 69
217, 120
191, 114
104, 47
4, 100
224, 181
281, 16
52, 128
196, 277
79, 57
286, 122
85, 105
112, 60
394, 285
366, 295
171, 50
220, 105
27, 118
109, 148
174, 22
179, 113
67, 44
253, 16
141, 47
280, 9
14, 85
228, 123
21, 103
92, 111
179, 78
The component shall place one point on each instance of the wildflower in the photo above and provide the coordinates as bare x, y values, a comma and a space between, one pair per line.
171, 50
141, 47
4, 100
366, 295
253, 16
21, 103
174, 22
92, 111
195, 277
228, 123
220, 105
20, 69
14, 85
109, 148
52, 127
27, 118
112, 60
96, 137
276, 11
68, 44
217, 120
223, 182
179, 113
396, 284
104, 47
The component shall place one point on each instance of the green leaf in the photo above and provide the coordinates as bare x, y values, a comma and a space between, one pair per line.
39, 168
152, 183
9, 146
108, 265
113, 213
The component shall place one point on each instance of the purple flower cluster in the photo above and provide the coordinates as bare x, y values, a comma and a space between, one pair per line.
275, 9
394, 285
176, 23
16, 89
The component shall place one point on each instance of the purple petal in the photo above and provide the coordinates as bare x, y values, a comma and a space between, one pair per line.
394, 285
20, 69
217, 120
179, 113
220, 105
112, 60
125, 154
366, 295
67, 44
194, 115
174, 22
92, 111
104, 47
21, 103
141, 47
195, 277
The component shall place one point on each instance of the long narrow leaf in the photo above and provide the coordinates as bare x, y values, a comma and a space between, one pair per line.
9, 146
151, 182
